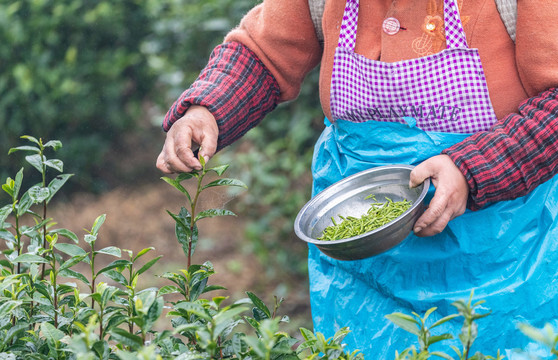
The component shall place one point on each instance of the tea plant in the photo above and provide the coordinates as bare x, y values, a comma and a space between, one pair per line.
103, 314
417, 325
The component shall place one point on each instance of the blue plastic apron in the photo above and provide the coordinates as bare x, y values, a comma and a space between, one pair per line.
507, 253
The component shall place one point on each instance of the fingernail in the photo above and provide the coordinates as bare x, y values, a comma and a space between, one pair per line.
417, 229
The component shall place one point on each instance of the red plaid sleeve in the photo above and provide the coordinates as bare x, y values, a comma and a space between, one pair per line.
516, 155
236, 88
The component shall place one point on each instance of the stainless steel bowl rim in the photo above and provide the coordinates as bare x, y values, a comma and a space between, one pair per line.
317, 198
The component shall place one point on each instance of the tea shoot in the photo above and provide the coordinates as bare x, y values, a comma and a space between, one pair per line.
378, 215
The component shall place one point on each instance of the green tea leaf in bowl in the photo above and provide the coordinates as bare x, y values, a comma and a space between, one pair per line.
377, 216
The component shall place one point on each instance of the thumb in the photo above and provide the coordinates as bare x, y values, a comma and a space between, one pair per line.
420, 173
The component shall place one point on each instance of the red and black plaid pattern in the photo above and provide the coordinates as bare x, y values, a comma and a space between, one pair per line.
516, 155
236, 88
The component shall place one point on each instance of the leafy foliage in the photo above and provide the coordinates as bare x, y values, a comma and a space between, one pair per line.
87, 71
43, 318
71, 65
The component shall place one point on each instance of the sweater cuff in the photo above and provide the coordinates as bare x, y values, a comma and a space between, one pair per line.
235, 87
516, 155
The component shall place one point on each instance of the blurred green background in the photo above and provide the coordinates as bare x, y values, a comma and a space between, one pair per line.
100, 75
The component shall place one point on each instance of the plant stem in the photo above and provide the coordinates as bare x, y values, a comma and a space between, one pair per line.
18, 243
55, 290
93, 277
101, 323
43, 175
44, 230
193, 216
130, 300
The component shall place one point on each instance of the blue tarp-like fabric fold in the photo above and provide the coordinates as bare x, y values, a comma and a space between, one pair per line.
507, 253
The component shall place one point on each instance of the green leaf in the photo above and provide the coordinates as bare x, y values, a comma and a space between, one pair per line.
56, 184
97, 224
142, 252
7, 307
39, 194
185, 176
36, 161
17, 183
72, 261
441, 354
55, 164
340, 334
259, 304
6, 235
259, 314
169, 289
437, 338
74, 275
31, 139
66, 233
107, 293
209, 213
252, 322
54, 144
428, 312
156, 309
535, 334
8, 188
24, 148
24, 204
223, 319
201, 159
194, 308
176, 184
182, 230
149, 264
125, 338
52, 334
307, 334
219, 170
110, 250
213, 288
16, 331
405, 322
30, 258
70, 249
115, 264
443, 320
116, 276
5, 211
225, 182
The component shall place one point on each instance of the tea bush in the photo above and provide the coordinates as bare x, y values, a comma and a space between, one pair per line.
42, 317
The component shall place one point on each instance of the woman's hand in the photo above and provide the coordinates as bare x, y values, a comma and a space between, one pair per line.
196, 128
450, 198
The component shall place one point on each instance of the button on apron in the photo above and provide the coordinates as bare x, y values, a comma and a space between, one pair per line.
391, 26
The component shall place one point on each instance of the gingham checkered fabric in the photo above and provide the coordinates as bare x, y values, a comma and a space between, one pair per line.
455, 36
444, 92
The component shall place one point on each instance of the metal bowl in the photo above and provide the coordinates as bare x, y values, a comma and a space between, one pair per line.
347, 198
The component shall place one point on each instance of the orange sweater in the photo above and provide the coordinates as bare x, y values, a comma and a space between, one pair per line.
282, 35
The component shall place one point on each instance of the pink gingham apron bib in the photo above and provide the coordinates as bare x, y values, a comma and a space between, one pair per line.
444, 92
506, 252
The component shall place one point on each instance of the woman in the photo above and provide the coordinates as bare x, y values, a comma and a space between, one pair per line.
437, 84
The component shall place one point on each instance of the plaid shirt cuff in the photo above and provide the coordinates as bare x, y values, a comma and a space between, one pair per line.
236, 88
516, 155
